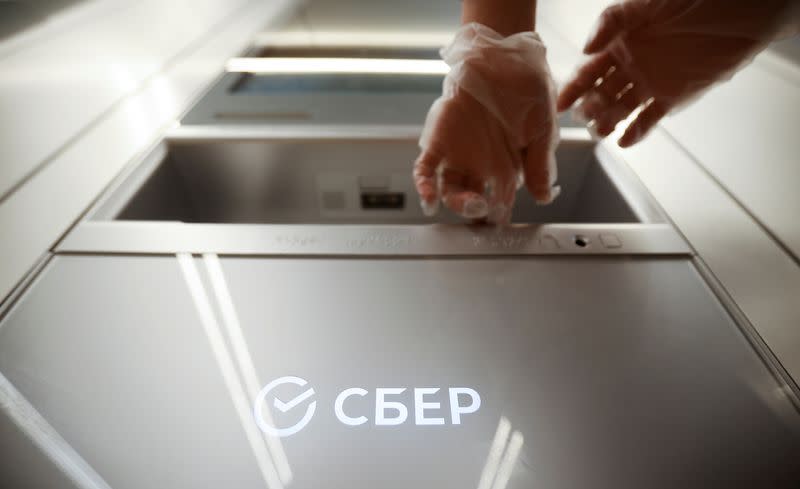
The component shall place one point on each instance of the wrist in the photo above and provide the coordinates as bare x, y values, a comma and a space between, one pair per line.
507, 17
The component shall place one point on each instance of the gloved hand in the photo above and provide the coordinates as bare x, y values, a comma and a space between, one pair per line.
660, 54
493, 129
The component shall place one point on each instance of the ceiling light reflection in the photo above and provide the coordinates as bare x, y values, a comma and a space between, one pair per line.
228, 370
242, 355
503, 454
337, 65
355, 39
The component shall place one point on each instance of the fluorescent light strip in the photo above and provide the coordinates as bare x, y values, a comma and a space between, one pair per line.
337, 65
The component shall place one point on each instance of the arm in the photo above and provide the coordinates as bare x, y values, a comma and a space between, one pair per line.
504, 16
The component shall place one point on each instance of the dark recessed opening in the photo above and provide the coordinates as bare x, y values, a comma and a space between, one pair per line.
581, 241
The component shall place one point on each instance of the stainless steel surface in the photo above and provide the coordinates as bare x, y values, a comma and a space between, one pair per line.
308, 181
429, 240
302, 193
600, 372
612, 371
354, 99
223, 104
328, 51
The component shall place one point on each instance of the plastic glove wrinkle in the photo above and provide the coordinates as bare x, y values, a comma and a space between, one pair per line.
498, 100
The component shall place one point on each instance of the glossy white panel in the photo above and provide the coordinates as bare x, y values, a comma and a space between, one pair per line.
408, 16
33, 218
745, 133
67, 77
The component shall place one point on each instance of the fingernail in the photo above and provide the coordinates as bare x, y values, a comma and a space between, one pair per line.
429, 209
551, 196
475, 208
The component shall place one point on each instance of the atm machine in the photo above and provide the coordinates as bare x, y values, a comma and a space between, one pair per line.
258, 302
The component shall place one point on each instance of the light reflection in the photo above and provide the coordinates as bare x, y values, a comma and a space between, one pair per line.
354, 39
502, 457
229, 375
337, 66
40, 433
242, 355
509, 460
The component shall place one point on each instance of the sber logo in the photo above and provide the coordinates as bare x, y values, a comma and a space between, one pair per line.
284, 406
389, 409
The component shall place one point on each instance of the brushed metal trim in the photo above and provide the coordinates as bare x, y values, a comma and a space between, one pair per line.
147, 237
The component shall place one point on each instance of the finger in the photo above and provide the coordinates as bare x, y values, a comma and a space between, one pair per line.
584, 79
501, 196
426, 181
463, 195
500, 210
632, 96
644, 122
506, 175
606, 122
628, 101
612, 84
592, 105
539, 169
614, 20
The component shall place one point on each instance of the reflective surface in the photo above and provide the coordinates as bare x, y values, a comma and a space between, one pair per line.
253, 99
347, 51
245, 99
594, 372
338, 182
338, 83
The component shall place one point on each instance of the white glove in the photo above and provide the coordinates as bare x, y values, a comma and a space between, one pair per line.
493, 129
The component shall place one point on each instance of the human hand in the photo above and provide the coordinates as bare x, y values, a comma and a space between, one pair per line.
656, 55
493, 129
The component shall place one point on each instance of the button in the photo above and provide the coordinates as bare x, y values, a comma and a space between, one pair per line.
610, 241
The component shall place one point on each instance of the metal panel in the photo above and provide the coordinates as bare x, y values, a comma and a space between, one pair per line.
292, 181
600, 372
421, 240
33, 218
241, 166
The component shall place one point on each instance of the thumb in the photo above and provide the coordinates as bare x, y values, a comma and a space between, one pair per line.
614, 20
